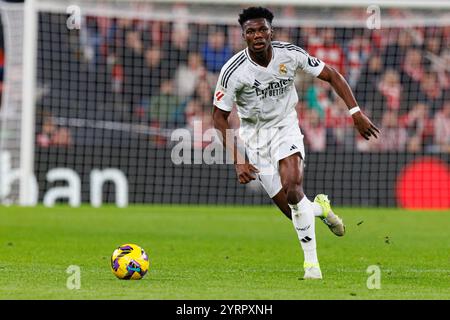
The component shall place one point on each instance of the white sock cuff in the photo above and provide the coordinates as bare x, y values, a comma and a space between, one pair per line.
302, 203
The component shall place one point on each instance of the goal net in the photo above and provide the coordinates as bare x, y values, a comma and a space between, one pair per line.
121, 103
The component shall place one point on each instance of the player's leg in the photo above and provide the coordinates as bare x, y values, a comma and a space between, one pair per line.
281, 201
291, 175
322, 210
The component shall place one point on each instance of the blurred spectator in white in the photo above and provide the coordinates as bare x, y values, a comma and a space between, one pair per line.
358, 50
188, 75
92, 42
329, 51
216, 51
441, 65
442, 128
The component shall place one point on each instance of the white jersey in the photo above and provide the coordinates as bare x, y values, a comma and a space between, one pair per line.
265, 96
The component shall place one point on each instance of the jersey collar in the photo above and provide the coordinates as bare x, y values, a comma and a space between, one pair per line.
253, 62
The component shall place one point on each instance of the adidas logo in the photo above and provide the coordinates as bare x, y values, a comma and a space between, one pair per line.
306, 239
256, 84
293, 147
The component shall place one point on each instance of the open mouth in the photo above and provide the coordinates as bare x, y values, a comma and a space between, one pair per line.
259, 45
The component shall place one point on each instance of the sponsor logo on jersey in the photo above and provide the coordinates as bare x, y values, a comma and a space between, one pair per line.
274, 88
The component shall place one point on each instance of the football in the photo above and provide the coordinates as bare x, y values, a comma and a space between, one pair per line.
129, 261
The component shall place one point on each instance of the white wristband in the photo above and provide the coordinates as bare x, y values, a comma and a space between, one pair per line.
354, 110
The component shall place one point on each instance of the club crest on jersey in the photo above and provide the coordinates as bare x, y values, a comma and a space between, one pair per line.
282, 68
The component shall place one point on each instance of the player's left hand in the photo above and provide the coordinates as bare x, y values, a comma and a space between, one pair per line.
365, 127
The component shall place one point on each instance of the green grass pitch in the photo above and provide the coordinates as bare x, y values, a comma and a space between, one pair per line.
218, 252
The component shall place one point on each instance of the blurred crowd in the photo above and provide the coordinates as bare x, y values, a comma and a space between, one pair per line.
163, 74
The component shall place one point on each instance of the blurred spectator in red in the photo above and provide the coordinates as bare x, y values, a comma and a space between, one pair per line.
391, 89
216, 51
329, 51
442, 128
314, 130
392, 137
418, 126
197, 115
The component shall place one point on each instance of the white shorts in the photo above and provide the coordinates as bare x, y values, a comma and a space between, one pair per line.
280, 143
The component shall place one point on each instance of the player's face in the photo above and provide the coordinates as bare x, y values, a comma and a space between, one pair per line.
258, 34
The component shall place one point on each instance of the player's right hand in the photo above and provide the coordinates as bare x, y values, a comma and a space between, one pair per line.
365, 127
246, 172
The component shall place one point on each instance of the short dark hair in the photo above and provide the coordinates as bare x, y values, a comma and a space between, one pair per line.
255, 13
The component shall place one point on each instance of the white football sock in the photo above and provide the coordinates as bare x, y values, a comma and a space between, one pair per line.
303, 221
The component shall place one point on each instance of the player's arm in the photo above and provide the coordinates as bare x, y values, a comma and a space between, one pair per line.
362, 123
244, 170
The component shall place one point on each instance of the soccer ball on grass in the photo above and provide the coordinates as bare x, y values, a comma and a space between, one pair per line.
129, 261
